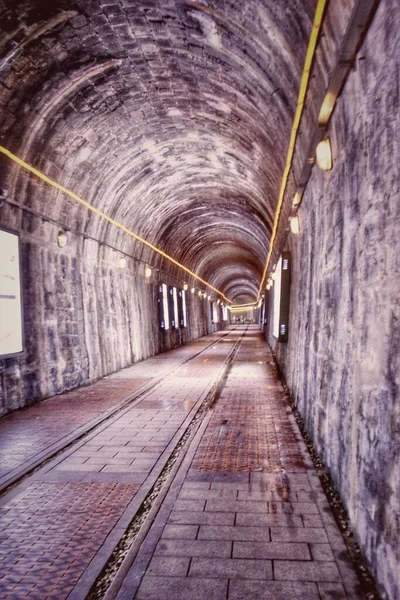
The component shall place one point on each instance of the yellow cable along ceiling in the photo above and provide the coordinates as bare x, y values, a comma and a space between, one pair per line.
312, 44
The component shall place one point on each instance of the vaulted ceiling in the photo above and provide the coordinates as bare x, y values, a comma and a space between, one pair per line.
172, 116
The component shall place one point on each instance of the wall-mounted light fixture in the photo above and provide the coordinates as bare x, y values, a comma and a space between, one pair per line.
200, 293
296, 199
192, 290
185, 286
323, 155
147, 272
62, 239
209, 298
218, 301
326, 108
122, 262
295, 225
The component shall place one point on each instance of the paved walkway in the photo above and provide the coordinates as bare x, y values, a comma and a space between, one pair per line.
31, 434
244, 516
59, 526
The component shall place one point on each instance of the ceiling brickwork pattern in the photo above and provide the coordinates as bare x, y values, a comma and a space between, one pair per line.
172, 116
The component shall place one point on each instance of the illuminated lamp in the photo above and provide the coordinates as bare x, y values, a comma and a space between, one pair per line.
273, 276
326, 109
62, 239
200, 293
218, 301
147, 272
192, 290
296, 199
185, 287
209, 297
324, 155
295, 225
122, 262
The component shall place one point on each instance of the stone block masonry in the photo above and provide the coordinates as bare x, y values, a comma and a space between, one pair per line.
84, 317
342, 362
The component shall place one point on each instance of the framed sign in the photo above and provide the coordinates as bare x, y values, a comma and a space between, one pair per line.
182, 308
281, 298
171, 307
163, 309
11, 316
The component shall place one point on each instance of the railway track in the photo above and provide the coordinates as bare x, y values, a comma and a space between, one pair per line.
116, 555
31, 466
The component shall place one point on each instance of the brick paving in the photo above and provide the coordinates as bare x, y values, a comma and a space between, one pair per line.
249, 518
34, 430
246, 516
58, 522
49, 536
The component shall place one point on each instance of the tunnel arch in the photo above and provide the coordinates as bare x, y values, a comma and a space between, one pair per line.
148, 149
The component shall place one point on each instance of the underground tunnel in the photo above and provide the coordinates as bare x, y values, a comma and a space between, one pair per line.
199, 213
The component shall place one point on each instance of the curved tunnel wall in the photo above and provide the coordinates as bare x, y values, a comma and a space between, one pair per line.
172, 118
158, 114
342, 361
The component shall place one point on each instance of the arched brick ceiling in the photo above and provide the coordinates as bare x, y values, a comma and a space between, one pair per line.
173, 116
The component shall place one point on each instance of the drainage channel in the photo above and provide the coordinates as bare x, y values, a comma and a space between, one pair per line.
124, 405
159, 489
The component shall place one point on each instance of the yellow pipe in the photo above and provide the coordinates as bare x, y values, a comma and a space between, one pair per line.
319, 13
98, 212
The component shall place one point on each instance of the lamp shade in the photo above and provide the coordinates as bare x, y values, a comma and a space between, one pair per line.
295, 225
62, 239
324, 155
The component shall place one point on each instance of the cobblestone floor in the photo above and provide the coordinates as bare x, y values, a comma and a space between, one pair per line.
57, 522
250, 520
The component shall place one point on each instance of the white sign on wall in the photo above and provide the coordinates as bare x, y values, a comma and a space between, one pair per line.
277, 297
282, 298
11, 332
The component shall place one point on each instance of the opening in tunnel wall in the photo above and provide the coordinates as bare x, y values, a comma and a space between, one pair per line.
84, 316
342, 360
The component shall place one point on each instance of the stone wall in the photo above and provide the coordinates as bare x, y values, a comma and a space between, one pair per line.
84, 316
342, 362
